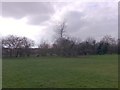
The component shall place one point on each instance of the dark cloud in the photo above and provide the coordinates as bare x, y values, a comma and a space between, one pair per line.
36, 12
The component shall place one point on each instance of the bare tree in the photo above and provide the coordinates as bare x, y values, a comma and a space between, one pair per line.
16, 46
26, 44
111, 43
109, 39
60, 32
60, 29
43, 48
10, 42
91, 45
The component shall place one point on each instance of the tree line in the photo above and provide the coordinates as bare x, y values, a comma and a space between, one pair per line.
14, 46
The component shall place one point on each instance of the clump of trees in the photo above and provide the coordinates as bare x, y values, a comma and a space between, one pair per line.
14, 46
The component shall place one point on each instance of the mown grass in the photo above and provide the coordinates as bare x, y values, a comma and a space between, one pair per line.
100, 71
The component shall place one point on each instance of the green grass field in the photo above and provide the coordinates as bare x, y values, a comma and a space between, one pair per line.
58, 72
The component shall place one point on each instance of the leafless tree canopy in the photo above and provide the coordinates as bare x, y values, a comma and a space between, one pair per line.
60, 29
16, 46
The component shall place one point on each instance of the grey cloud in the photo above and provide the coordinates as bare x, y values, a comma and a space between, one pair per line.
0, 8
36, 11
74, 21
38, 19
97, 20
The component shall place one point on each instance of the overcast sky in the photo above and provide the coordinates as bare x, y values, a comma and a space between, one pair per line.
37, 20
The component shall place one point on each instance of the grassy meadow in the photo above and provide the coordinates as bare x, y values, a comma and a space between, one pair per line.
99, 71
